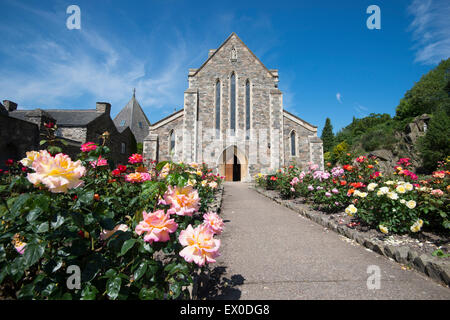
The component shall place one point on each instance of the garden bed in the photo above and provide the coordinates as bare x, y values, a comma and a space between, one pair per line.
412, 252
78, 230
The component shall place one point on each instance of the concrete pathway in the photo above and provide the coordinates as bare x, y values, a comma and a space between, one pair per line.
271, 252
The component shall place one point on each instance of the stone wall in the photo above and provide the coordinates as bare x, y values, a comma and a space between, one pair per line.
16, 138
73, 133
104, 123
302, 156
163, 140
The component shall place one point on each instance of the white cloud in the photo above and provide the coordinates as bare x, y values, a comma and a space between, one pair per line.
361, 110
431, 30
338, 97
54, 70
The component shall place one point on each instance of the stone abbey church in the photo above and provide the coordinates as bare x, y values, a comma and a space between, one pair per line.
233, 119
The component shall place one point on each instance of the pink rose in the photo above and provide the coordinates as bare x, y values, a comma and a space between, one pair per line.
157, 226
200, 245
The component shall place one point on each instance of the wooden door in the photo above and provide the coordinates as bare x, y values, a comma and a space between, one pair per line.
229, 172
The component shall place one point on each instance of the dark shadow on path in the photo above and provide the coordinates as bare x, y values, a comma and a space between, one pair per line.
221, 288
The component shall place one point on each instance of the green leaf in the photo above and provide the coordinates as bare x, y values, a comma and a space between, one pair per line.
140, 271
113, 287
42, 142
33, 252
66, 296
19, 203
127, 245
92, 268
86, 197
148, 294
34, 214
160, 165
43, 227
59, 221
89, 292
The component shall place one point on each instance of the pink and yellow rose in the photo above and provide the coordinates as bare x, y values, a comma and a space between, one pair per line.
58, 173
157, 226
214, 222
183, 201
200, 245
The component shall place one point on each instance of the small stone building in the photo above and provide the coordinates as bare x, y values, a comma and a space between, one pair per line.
132, 116
76, 127
233, 119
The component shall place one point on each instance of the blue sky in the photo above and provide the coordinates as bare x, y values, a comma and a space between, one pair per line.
330, 64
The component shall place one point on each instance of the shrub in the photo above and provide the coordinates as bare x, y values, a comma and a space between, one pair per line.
104, 223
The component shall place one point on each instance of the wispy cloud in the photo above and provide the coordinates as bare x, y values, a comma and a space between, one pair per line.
361, 110
57, 71
431, 30
338, 97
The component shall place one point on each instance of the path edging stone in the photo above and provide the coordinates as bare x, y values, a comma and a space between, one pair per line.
436, 269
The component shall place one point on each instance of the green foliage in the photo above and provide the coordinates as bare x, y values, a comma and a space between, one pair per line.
340, 151
140, 148
427, 95
63, 229
327, 136
435, 145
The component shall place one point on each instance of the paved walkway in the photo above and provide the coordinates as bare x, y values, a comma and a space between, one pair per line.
271, 252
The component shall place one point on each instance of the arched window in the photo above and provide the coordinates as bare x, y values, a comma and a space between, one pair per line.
247, 109
218, 109
172, 142
293, 151
233, 103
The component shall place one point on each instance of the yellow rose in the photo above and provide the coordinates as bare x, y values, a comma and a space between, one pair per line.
400, 189
351, 210
383, 229
417, 226
411, 204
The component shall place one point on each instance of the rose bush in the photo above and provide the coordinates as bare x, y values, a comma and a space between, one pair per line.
129, 230
399, 203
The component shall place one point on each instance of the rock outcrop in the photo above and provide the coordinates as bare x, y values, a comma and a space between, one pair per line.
406, 147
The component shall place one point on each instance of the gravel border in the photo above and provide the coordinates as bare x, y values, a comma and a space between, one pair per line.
202, 278
435, 268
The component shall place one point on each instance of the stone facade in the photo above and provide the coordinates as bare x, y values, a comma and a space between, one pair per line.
16, 136
74, 126
233, 78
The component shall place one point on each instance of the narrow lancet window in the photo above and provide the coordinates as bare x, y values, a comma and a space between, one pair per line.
172, 143
233, 103
247, 109
293, 143
218, 109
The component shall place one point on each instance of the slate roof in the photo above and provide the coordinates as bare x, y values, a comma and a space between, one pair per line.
63, 117
133, 116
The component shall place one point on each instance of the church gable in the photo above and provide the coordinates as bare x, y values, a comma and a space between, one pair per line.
234, 55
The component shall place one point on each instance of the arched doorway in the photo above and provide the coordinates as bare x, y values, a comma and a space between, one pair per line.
232, 164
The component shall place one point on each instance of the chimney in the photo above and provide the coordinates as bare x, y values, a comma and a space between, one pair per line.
9, 105
211, 52
103, 107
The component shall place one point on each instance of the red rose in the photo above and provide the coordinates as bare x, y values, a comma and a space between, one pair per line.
122, 168
116, 172
9, 162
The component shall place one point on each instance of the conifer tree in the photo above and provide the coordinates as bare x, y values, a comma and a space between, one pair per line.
327, 136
